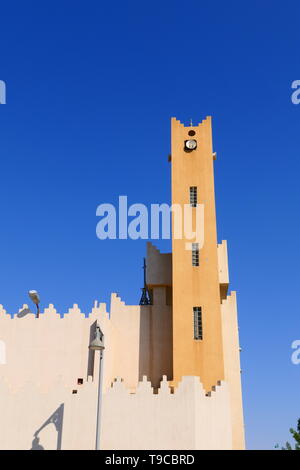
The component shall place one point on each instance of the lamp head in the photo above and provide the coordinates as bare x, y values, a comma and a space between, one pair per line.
33, 294
97, 344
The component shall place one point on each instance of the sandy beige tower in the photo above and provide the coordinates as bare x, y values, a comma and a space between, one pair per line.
205, 340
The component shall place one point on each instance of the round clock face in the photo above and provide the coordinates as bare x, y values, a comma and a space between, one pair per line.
191, 144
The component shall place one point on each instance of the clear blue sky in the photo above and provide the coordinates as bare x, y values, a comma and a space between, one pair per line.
91, 87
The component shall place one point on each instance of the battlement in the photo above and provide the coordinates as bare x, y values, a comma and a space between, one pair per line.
51, 311
186, 419
176, 121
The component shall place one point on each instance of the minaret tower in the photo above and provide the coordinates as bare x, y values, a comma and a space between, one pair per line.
204, 316
197, 323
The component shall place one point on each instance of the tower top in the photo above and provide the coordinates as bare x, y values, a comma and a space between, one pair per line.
191, 124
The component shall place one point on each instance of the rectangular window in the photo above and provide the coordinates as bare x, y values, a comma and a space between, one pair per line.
193, 196
195, 254
198, 333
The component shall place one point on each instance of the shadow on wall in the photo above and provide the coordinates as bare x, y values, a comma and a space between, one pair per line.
24, 312
57, 419
145, 343
155, 344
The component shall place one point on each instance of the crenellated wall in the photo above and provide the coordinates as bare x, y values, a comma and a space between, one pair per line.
187, 419
48, 383
57, 419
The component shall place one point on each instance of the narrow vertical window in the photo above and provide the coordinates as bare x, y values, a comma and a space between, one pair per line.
193, 196
195, 254
198, 332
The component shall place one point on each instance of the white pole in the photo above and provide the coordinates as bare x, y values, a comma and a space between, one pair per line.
98, 426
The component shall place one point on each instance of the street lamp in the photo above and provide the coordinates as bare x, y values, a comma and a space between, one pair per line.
98, 345
33, 294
